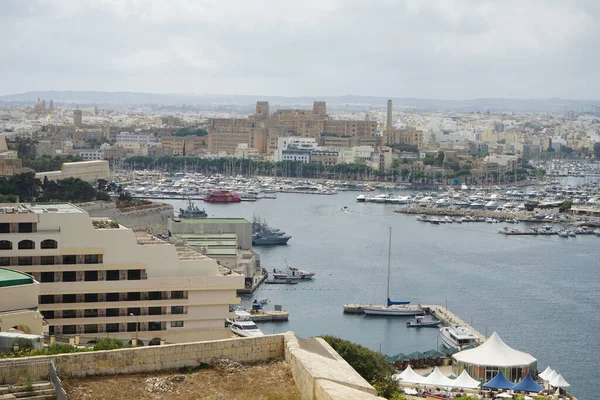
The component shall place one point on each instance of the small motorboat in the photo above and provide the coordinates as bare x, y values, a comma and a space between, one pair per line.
345, 209
421, 322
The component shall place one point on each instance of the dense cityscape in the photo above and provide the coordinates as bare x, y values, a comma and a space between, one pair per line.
318, 201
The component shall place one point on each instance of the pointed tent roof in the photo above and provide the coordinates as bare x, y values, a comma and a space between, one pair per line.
436, 378
546, 372
496, 353
559, 382
499, 382
409, 376
550, 377
465, 381
527, 385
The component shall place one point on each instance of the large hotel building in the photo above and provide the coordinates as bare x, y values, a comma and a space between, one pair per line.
262, 129
98, 278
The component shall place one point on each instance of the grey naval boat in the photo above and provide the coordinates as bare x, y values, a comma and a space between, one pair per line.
263, 234
192, 211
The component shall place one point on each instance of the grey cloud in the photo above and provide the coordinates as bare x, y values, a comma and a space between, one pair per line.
435, 49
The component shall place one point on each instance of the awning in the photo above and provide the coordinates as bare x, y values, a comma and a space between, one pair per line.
409, 376
499, 382
527, 385
559, 382
465, 381
544, 375
437, 379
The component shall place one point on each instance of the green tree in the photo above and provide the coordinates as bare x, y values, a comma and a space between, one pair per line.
107, 343
191, 132
597, 150
370, 365
564, 206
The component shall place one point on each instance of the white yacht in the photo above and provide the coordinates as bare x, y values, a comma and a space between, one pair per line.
457, 337
243, 325
491, 205
393, 308
361, 197
443, 202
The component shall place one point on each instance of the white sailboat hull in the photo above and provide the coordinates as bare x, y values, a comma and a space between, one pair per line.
394, 311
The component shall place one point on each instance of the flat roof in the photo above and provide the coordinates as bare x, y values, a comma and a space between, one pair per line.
9, 277
221, 251
214, 221
52, 208
213, 243
207, 236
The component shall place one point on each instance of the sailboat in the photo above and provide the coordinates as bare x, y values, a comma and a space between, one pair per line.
393, 308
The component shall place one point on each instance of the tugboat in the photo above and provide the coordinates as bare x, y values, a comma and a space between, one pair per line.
222, 196
262, 234
192, 211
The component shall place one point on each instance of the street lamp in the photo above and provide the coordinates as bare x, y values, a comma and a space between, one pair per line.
137, 323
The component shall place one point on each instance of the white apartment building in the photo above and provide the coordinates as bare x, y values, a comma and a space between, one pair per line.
356, 155
295, 143
91, 155
136, 138
98, 278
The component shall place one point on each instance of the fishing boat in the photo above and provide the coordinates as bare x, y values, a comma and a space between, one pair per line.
421, 322
293, 273
393, 308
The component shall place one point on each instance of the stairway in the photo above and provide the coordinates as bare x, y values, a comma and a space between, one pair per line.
38, 391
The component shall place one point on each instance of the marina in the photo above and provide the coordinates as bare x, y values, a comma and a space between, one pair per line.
443, 263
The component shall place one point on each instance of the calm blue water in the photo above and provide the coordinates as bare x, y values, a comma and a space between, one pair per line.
538, 293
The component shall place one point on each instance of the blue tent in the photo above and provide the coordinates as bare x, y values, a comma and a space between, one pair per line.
499, 382
527, 385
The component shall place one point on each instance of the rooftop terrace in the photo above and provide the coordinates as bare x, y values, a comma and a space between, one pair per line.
39, 208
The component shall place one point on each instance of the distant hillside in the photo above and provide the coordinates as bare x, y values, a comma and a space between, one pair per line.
174, 99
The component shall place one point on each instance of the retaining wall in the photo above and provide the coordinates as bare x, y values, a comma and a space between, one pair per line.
319, 372
154, 219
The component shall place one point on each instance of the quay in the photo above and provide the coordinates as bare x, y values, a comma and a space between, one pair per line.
446, 316
255, 283
269, 316
521, 216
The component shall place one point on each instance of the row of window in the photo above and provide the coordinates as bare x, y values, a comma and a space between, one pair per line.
110, 312
21, 227
71, 276
52, 260
29, 244
109, 297
111, 328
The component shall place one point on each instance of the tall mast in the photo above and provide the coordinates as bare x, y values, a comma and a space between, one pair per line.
389, 265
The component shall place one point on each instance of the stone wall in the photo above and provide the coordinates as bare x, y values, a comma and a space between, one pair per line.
165, 357
321, 373
152, 219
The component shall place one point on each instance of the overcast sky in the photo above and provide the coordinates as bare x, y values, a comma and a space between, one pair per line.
415, 48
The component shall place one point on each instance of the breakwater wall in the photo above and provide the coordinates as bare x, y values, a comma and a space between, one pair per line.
521, 216
152, 218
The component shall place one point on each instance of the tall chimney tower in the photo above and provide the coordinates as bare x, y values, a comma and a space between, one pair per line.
390, 122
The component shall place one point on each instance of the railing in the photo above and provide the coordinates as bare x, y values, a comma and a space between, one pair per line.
18, 372
57, 383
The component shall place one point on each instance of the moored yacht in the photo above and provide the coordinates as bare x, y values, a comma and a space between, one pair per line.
458, 337
243, 325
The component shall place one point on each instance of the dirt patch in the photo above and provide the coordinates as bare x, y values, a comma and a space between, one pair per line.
264, 381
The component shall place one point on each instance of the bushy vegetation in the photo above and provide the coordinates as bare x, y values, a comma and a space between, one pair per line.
26, 349
370, 365
28, 188
47, 163
565, 206
191, 132
107, 343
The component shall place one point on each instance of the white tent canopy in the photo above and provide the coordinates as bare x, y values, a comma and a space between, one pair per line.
465, 381
436, 378
553, 375
409, 376
544, 375
559, 382
496, 353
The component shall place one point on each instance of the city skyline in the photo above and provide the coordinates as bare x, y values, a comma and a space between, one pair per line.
438, 50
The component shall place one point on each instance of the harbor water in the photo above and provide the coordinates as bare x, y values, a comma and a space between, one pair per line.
539, 293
